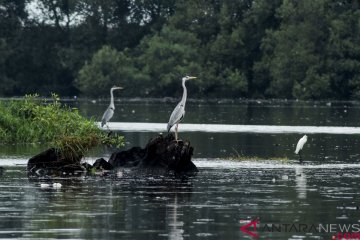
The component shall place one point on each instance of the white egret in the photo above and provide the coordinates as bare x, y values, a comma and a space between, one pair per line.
108, 114
300, 146
179, 112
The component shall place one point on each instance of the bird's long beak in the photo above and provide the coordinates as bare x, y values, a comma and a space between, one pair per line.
118, 88
192, 78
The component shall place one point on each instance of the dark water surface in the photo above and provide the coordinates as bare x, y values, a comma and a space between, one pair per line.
224, 196
231, 112
213, 205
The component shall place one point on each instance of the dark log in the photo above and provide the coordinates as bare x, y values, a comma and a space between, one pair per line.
128, 158
50, 163
87, 166
47, 158
102, 164
161, 152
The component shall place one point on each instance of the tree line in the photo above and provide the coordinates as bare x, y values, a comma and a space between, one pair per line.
237, 48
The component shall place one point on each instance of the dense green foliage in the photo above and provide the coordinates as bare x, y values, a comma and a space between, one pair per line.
36, 121
268, 49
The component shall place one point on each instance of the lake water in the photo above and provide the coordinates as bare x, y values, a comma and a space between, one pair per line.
291, 201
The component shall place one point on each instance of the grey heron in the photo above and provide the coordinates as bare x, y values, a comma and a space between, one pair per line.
300, 146
108, 114
178, 114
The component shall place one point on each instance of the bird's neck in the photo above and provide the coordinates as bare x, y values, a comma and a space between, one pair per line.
112, 105
183, 100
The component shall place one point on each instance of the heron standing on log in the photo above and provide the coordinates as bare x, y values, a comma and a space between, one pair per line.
109, 113
178, 114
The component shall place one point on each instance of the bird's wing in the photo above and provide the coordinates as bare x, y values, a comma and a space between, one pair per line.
300, 144
176, 116
297, 148
107, 116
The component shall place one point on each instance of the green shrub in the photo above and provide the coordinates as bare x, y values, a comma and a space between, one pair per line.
37, 121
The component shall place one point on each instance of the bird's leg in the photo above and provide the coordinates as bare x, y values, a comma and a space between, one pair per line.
108, 130
300, 158
176, 133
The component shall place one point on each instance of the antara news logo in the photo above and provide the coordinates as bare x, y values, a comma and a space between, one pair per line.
253, 228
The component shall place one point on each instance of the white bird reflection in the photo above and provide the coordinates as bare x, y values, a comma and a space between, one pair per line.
300, 179
176, 230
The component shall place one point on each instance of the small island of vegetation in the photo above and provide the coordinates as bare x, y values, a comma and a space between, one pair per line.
33, 120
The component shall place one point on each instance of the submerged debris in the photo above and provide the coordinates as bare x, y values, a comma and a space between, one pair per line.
161, 155
44, 185
50, 163
102, 164
57, 185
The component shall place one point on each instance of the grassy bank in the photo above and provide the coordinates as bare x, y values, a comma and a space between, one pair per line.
256, 158
33, 120
240, 157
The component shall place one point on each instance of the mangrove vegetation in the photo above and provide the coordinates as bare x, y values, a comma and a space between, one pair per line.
237, 48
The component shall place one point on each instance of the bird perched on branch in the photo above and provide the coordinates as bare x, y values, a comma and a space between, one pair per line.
300, 146
109, 113
179, 112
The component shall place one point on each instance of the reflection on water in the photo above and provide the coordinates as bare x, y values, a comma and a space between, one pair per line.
210, 205
300, 179
175, 224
